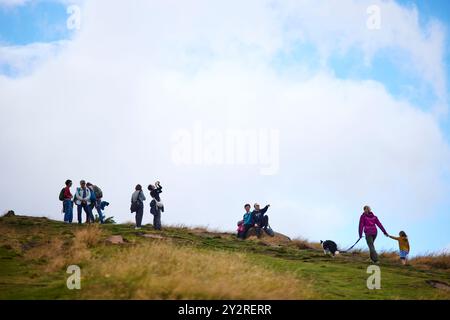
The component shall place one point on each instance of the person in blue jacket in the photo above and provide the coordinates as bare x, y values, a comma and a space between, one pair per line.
248, 219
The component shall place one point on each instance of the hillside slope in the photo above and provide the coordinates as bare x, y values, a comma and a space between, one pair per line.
183, 263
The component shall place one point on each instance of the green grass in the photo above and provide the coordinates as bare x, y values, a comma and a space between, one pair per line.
343, 277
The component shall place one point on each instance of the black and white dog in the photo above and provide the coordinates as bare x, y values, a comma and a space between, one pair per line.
329, 247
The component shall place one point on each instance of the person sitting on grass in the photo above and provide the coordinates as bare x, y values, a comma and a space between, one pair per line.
403, 245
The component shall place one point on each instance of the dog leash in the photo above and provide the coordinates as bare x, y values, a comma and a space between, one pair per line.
352, 245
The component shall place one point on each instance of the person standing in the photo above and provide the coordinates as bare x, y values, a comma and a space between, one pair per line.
368, 223
156, 206
83, 202
97, 203
67, 202
137, 205
403, 244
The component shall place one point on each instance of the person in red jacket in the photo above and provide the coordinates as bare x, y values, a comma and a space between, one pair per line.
67, 203
369, 223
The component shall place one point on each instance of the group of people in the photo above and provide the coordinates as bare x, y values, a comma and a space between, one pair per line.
254, 219
87, 197
368, 224
156, 206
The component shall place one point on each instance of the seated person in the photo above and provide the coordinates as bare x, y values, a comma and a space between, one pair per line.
260, 219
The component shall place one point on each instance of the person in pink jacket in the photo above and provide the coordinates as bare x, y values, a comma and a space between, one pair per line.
369, 223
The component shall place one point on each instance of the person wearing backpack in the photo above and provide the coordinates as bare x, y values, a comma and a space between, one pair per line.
83, 202
66, 197
137, 205
156, 206
97, 202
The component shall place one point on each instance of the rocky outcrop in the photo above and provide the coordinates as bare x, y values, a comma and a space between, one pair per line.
277, 238
117, 239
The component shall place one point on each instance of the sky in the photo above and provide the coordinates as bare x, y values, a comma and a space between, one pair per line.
315, 107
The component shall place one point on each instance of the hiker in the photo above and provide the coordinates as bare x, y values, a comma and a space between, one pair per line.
156, 206
83, 202
240, 229
247, 222
368, 223
97, 202
137, 205
261, 220
66, 197
403, 244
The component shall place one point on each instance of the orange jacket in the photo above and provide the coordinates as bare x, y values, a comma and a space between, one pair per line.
403, 243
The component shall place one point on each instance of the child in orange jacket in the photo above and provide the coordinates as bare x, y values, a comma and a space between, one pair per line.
403, 245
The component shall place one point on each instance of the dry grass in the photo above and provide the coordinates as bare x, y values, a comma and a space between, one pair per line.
56, 253
161, 270
432, 260
389, 256
305, 244
10, 238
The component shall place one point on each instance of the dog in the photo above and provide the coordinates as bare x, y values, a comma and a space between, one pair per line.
329, 247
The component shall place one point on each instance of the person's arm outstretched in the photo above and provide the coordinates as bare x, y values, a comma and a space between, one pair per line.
378, 223
264, 210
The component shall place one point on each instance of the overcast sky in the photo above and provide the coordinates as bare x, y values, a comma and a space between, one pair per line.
348, 101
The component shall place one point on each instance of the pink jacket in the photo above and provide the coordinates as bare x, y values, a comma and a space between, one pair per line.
368, 223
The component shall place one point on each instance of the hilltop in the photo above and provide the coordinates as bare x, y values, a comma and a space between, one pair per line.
193, 263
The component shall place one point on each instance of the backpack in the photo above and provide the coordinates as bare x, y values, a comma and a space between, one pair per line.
61, 194
269, 231
241, 227
136, 205
98, 192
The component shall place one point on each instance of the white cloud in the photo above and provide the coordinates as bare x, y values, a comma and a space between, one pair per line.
104, 109
12, 3
339, 26
20, 60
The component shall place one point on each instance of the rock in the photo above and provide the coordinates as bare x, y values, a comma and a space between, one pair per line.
438, 284
115, 239
10, 213
152, 236
278, 238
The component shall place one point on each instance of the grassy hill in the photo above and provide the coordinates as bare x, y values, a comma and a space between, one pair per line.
183, 263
